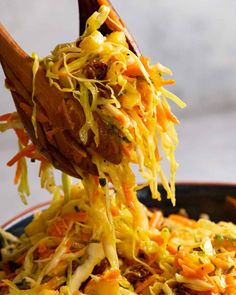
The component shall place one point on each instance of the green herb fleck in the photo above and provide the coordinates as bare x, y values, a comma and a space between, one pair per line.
102, 181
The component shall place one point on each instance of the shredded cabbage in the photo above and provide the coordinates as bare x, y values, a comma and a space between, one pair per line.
108, 79
97, 240
68, 247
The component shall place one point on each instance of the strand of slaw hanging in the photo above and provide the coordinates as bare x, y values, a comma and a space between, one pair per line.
96, 240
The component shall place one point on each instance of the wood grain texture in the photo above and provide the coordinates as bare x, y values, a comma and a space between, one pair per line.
58, 134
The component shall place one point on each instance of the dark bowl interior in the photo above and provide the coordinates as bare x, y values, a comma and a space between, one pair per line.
216, 200
212, 199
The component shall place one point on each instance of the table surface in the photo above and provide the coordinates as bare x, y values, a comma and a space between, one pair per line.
196, 39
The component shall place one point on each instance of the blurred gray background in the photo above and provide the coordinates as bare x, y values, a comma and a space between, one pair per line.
195, 38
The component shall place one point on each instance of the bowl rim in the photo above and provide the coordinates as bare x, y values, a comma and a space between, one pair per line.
28, 212
24, 214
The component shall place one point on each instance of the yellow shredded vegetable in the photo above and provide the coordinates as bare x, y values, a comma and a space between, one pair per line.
126, 91
74, 247
34, 71
94, 239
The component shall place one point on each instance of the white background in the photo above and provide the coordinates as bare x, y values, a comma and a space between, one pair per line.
195, 38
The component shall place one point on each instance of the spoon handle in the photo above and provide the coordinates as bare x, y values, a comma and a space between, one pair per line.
15, 57
9, 45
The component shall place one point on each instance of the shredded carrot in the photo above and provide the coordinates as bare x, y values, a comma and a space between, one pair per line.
188, 272
183, 220
157, 80
228, 245
171, 249
114, 24
42, 247
146, 63
161, 116
133, 70
223, 256
96, 180
200, 272
22, 136
5, 117
75, 216
85, 236
167, 82
141, 286
129, 195
18, 172
157, 238
173, 234
111, 275
187, 262
68, 245
126, 149
152, 258
23, 153
170, 116
115, 211
204, 269
58, 228
220, 263
37, 156
113, 21
120, 118
231, 283
47, 253
144, 90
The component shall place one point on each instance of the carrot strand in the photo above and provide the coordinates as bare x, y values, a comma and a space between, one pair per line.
24, 152
113, 22
22, 136
18, 172
183, 220
5, 117
145, 284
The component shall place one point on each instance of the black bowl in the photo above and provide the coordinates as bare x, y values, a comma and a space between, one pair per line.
216, 200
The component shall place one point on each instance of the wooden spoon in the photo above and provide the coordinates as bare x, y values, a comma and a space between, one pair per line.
59, 116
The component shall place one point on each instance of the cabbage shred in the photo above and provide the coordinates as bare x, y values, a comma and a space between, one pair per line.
94, 239
73, 247
127, 93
